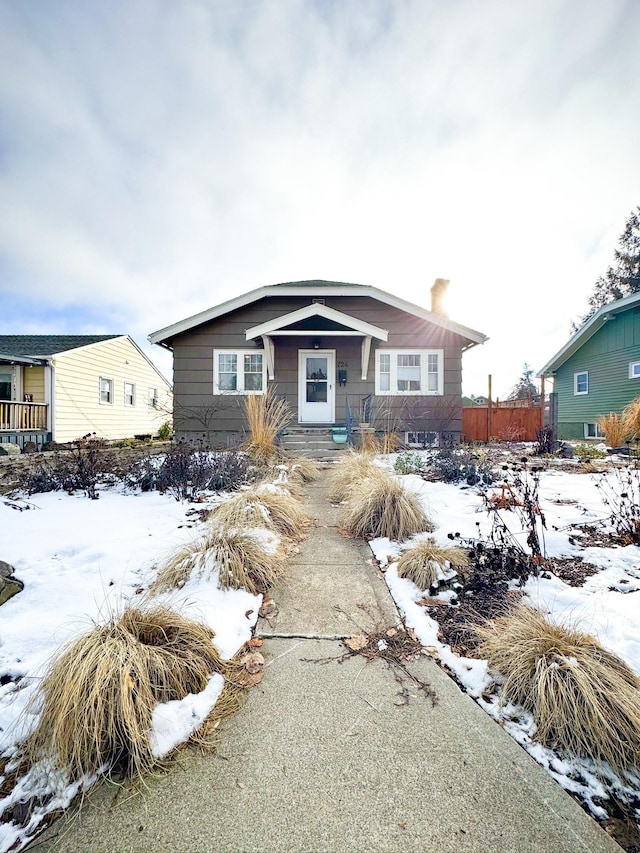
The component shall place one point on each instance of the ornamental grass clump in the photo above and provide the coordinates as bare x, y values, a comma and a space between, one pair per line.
267, 415
244, 559
424, 563
584, 699
381, 506
98, 697
615, 429
263, 506
352, 468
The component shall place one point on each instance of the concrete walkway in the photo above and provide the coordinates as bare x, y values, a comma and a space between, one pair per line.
323, 758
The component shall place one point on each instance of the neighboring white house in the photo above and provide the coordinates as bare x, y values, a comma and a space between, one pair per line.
61, 387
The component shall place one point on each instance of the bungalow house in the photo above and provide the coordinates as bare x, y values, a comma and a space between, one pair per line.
61, 387
339, 353
598, 370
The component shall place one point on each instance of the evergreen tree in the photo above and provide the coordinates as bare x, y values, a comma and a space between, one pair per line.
623, 276
524, 388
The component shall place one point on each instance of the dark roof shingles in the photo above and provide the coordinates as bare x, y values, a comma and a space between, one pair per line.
40, 345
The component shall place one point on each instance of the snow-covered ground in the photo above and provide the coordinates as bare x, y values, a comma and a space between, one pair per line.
81, 560
606, 605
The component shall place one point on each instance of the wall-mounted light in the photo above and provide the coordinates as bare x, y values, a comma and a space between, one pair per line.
315, 343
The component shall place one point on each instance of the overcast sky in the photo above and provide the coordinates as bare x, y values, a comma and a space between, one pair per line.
157, 158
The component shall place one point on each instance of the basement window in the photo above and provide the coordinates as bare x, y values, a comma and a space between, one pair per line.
593, 431
421, 439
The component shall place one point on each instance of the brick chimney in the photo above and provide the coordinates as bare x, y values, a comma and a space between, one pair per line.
438, 296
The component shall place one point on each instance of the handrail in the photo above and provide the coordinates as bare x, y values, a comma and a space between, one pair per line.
348, 418
22, 416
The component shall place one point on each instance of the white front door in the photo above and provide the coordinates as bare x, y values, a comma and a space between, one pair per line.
316, 386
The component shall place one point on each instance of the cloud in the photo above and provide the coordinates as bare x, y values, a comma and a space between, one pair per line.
157, 158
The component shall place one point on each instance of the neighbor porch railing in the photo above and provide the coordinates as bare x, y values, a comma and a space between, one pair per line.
22, 416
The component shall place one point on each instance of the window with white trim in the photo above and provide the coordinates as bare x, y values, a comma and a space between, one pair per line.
239, 371
593, 431
422, 439
581, 382
405, 372
106, 390
152, 398
634, 370
129, 394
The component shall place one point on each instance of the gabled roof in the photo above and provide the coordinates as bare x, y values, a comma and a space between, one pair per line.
46, 345
311, 289
588, 330
339, 320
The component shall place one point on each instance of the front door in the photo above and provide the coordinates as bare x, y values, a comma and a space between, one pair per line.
316, 386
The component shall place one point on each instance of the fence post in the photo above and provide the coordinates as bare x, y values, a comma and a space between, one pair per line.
489, 413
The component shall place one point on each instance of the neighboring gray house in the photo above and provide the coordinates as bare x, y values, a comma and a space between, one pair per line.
598, 370
339, 353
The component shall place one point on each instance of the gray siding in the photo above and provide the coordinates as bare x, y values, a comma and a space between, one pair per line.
198, 410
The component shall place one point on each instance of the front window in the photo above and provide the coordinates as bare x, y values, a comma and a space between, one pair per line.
581, 383
106, 390
129, 394
405, 372
239, 372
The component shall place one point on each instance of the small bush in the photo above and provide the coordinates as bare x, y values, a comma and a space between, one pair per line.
584, 699
546, 441
615, 429
245, 559
587, 452
165, 431
98, 696
454, 467
409, 462
424, 562
184, 472
381, 506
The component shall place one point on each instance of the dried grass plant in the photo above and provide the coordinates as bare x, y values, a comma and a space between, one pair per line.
615, 429
245, 559
351, 468
304, 469
584, 699
97, 698
423, 562
382, 506
267, 415
263, 506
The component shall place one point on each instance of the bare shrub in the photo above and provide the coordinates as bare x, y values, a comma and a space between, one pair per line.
584, 699
381, 506
424, 562
245, 559
267, 415
615, 429
98, 696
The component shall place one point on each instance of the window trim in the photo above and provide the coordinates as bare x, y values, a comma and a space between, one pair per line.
240, 353
422, 444
633, 375
424, 354
597, 429
109, 401
575, 383
152, 401
133, 394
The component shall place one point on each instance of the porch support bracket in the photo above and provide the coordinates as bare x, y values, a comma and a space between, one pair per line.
366, 349
268, 350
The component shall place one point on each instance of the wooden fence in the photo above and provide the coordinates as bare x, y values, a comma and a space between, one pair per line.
502, 423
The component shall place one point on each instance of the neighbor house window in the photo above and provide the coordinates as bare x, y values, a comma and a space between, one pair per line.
581, 383
421, 439
153, 398
106, 390
239, 372
593, 431
129, 394
409, 371
634, 370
